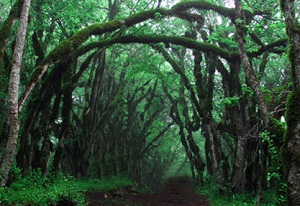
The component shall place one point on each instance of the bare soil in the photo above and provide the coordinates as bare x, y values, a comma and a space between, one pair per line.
175, 192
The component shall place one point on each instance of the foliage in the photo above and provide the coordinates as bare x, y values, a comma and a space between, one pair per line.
216, 198
119, 106
276, 173
106, 184
39, 189
231, 101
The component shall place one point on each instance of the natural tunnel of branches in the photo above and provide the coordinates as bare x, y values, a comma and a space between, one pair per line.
154, 88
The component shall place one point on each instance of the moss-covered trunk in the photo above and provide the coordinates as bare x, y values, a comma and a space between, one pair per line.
293, 104
240, 24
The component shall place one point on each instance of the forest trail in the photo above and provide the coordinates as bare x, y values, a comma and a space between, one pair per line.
175, 192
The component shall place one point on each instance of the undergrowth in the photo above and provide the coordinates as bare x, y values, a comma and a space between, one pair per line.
38, 189
103, 185
217, 197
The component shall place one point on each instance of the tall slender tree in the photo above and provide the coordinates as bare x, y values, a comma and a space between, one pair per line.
13, 94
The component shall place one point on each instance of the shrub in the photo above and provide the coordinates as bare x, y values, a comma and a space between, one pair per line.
39, 189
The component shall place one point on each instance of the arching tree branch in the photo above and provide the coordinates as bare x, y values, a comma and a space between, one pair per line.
66, 47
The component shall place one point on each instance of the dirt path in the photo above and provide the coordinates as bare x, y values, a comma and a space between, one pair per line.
177, 191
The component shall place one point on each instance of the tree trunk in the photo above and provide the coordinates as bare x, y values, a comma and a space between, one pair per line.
293, 105
240, 24
239, 171
240, 121
13, 91
5, 32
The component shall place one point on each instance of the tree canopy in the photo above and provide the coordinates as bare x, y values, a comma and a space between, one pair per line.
154, 88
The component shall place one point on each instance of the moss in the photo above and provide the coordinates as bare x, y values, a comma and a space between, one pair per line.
204, 5
293, 101
179, 40
188, 4
81, 36
60, 51
153, 39
145, 15
65, 47
6, 29
277, 132
292, 118
86, 48
276, 98
36, 73
293, 109
8, 23
112, 25
5, 32
282, 5
16, 8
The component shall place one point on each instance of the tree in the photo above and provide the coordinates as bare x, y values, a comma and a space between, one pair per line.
103, 96
293, 106
13, 95
240, 164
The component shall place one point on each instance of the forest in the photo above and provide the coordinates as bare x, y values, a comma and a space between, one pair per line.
108, 93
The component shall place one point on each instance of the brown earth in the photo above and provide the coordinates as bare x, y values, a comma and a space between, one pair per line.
176, 191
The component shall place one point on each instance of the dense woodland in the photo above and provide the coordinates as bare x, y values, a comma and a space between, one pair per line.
153, 88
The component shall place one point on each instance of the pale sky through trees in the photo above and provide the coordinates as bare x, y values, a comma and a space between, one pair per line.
228, 3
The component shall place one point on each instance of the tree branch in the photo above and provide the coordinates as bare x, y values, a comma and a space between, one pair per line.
66, 47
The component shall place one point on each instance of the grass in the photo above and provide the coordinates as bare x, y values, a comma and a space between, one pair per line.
230, 199
36, 189
103, 185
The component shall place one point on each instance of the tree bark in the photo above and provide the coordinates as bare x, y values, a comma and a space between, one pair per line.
249, 71
240, 23
293, 105
13, 91
5, 32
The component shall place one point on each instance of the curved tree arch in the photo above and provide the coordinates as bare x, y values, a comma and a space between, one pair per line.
65, 48
112, 105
